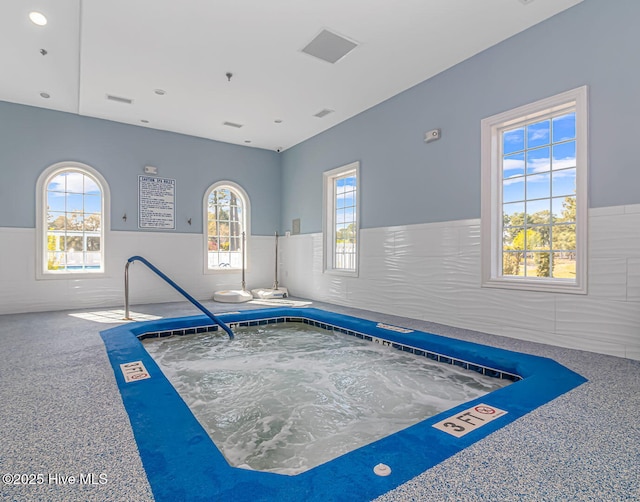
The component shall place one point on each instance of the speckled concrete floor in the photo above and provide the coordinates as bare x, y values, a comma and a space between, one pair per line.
61, 416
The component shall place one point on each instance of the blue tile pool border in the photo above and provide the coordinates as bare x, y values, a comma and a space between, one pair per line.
182, 463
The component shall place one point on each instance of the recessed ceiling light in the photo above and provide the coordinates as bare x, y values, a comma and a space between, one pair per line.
45, 95
37, 18
160, 92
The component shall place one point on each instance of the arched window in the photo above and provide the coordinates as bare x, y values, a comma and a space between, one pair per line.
72, 213
226, 217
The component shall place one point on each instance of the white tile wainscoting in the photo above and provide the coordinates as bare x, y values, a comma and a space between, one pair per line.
178, 255
432, 272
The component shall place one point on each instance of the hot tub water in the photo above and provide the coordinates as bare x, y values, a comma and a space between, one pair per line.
287, 397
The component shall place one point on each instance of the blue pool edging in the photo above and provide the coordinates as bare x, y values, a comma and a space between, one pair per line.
182, 463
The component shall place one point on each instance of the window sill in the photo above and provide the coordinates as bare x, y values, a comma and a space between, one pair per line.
537, 285
70, 275
343, 273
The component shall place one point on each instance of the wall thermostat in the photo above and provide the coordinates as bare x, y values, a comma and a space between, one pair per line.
431, 135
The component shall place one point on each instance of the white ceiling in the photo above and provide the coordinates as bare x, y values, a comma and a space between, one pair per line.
130, 48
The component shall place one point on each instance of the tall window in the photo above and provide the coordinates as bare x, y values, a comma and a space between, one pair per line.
71, 220
341, 219
535, 195
226, 206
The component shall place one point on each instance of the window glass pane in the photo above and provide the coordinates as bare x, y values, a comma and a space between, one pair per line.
564, 182
564, 237
513, 238
538, 212
75, 221
513, 165
564, 155
538, 160
342, 226
564, 265
511, 213
513, 140
538, 186
564, 127
93, 243
513, 190
92, 223
74, 203
55, 201
55, 261
57, 184
91, 187
56, 220
513, 264
539, 264
538, 134
75, 182
92, 203
539, 238
564, 209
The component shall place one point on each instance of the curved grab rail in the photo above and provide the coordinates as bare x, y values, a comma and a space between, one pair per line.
195, 302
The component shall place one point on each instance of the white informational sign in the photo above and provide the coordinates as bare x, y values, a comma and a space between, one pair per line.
469, 420
156, 202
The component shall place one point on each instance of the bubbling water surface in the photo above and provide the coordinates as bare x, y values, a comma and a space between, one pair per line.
287, 397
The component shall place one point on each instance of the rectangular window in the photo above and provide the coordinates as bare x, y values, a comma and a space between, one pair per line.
341, 220
534, 195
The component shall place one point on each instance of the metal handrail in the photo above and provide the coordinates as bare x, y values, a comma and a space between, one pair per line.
195, 302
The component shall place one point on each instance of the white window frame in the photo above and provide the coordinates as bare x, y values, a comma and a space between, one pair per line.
41, 218
246, 225
329, 211
491, 216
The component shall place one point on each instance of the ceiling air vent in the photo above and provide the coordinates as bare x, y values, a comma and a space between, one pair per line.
323, 113
329, 47
119, 99
232, 124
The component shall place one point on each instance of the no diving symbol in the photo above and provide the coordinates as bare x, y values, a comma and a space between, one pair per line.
139, 376
485, 410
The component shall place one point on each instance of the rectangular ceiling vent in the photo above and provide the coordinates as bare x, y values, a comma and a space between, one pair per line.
232, 124
119, 99
323, 113
329, 47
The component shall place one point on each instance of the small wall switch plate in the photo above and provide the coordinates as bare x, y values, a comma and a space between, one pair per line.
150, 170
295, 226
432, 135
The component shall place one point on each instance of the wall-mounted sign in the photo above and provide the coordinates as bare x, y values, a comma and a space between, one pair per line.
156, 202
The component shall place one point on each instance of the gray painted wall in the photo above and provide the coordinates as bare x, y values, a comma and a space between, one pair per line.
405, 181
31, 139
